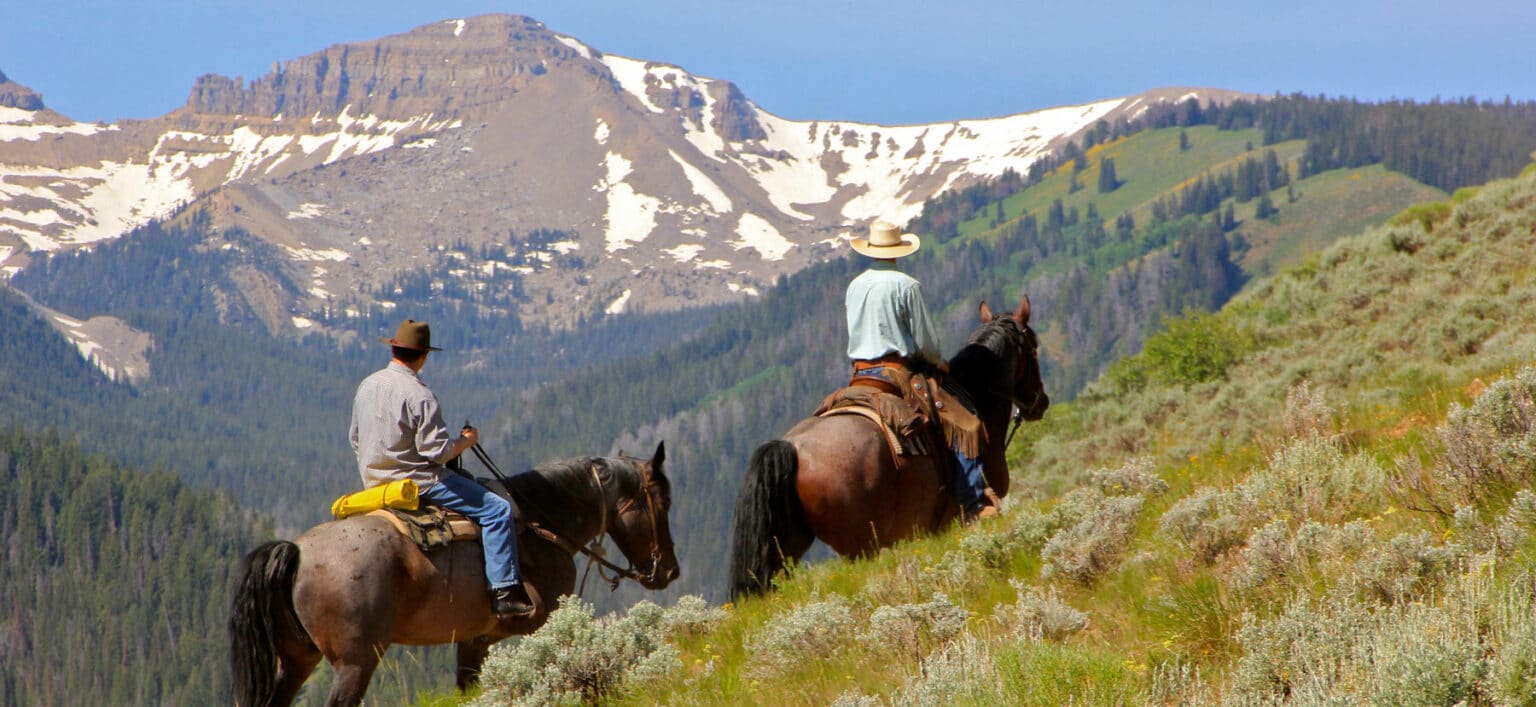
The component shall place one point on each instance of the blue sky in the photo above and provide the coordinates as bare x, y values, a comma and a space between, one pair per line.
897, 61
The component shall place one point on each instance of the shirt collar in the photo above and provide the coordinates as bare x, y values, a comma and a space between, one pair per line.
399, 367
883, 265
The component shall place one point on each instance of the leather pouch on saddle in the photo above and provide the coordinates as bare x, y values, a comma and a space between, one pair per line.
905, 426
904, 403
429, 526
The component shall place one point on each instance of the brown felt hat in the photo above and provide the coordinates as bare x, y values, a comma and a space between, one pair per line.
413, 335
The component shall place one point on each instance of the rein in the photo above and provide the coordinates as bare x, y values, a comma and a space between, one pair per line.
594, 556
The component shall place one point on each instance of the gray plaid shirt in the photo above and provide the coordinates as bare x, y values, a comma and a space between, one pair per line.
397, 429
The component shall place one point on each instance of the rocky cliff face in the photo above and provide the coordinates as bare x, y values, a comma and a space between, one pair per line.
15, 95
455, 150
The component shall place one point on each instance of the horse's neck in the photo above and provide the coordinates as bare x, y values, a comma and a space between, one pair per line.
584, 512
983, 391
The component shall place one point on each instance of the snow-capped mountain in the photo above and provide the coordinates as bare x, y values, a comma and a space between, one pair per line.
492, 148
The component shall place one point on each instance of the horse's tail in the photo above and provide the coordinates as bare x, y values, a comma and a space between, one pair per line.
262, 606
768, 515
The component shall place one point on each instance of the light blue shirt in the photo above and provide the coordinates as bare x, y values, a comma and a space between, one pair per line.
886, 315
397, 429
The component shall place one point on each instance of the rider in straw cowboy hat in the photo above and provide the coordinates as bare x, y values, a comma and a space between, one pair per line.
398, 433
890, 337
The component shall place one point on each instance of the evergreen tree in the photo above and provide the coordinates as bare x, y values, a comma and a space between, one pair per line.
1108, 182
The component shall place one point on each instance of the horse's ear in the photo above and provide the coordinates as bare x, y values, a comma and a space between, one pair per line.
660, 455
986, 312
1022, 316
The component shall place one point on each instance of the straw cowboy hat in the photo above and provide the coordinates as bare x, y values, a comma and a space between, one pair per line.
412, 335
886, 241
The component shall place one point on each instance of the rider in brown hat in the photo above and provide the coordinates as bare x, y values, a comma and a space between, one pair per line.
398, 433
891, 337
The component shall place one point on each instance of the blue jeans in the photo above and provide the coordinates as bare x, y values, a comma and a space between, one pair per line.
494, 516
969, 484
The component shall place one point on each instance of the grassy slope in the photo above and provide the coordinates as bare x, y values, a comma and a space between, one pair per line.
1150, 166
1387, 341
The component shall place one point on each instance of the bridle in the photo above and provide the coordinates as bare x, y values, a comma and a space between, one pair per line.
594, 552
1022, 339
647, 483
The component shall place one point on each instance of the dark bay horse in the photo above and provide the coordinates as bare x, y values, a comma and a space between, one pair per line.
345, 590
834, 478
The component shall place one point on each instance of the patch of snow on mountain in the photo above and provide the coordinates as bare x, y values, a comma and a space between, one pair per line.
682, 253
744, 289
756, 233
127, 196
882, 172
302, 323
714, 264
16, 124
617, 306
800, 179
251, 149
565, 247
631, 215
631, 74
310, 254
306, 210
704, 186
458, 26
602, 132
576, 44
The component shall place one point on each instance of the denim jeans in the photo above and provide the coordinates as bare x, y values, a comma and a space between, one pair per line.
969, 484
494, 516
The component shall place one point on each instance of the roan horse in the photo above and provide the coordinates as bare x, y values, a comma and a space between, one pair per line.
835, 478
345, 590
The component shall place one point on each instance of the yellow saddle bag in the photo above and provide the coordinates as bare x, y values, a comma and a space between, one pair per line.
395, 494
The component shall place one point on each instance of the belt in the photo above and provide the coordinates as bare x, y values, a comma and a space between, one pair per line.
886, 360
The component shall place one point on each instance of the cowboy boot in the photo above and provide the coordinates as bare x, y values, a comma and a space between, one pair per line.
512, 603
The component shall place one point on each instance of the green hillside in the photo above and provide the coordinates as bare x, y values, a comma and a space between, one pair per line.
1320, 494
1150, 165
112, 587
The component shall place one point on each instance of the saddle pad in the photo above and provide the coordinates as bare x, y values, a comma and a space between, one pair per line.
430, 527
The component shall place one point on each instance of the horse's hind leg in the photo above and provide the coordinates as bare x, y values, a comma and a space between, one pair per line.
471, 656
292, 671
353, 672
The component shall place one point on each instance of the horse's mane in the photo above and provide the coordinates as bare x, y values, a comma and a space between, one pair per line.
557, 492
984, 359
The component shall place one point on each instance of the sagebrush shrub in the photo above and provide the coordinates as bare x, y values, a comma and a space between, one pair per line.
1039, 614
577, 658
1306, 413
913, 629
813, 631
962, 672
1206, 522
1313, 478
1092, 546
1406, 566
1483, 450
1136, 475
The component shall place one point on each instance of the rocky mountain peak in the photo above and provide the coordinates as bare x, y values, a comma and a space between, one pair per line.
447, 68
15, 95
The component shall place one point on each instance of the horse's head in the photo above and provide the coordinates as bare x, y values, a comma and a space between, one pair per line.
639, 526
1019, 345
